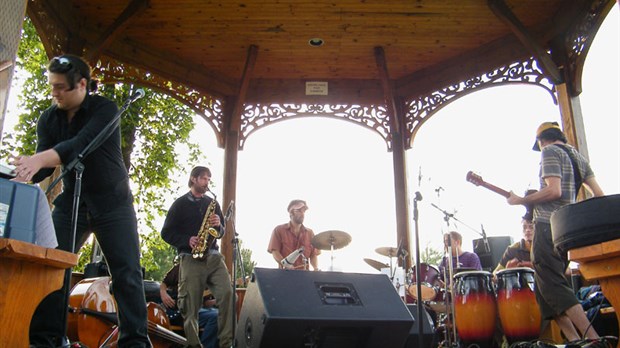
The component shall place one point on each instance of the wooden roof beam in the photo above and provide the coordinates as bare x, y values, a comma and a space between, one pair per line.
131, 12
172, 68
549, 68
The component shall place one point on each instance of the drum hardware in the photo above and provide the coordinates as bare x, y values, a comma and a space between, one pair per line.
331, 240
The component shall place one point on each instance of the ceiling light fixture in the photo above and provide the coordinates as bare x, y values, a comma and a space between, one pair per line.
316, 42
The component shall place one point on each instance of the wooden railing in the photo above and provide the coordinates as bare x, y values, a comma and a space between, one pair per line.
601, 262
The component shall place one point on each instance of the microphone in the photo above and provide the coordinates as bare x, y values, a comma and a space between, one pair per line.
229, 211
139, 93
487, 248
418, 196
292, 257
419, 176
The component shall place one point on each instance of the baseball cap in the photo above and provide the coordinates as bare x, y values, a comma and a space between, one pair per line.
543, 127
297, 204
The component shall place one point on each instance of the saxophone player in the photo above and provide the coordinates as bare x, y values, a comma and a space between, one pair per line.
184, 222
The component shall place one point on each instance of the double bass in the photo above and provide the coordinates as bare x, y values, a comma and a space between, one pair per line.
92, 318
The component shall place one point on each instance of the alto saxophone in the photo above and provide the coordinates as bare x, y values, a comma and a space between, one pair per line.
207, 234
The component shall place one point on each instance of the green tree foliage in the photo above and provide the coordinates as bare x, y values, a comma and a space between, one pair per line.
151, 128
431, 256
248, 264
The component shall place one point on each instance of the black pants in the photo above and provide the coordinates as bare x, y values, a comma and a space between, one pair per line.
116, 232
554, 294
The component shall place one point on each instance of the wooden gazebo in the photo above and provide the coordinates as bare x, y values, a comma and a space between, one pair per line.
385, 65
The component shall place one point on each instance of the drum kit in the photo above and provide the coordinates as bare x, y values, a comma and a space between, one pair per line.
479, 301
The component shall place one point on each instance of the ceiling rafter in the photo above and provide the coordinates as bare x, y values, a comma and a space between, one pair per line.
501, 10
130, 13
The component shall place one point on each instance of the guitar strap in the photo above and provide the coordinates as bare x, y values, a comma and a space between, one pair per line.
576, 172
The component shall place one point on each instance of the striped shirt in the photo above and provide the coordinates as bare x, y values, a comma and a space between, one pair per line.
555, 162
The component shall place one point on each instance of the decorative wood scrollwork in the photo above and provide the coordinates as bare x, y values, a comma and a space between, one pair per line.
111, 71
422, 108
373, 117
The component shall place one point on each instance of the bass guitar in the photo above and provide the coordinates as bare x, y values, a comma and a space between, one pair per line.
477, 180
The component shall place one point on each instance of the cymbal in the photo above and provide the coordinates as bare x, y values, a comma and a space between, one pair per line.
325, 240
387, 251
376, 264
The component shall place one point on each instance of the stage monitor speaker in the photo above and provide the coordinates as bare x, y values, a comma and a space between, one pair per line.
490, 259
297, 309
428, 332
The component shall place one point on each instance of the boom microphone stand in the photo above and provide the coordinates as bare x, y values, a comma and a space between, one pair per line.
78, 166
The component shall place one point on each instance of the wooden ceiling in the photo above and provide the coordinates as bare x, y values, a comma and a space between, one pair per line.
207, 45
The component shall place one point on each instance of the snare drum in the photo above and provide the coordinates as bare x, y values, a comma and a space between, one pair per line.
474, 307
429, 276
516, 304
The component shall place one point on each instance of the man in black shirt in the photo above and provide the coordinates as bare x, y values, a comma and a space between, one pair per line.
106, 205
183, 222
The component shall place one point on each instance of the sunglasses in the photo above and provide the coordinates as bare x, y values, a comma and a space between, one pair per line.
63, 63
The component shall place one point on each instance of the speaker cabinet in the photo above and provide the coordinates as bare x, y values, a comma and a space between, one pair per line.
490, 259
428, 332
285, 308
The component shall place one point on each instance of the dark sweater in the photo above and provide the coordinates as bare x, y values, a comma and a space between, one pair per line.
184, 220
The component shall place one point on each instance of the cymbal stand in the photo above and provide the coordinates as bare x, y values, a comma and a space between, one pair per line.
331, 247
450, 293
392, 269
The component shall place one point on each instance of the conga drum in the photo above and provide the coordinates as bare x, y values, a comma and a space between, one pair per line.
474, 307
516, 303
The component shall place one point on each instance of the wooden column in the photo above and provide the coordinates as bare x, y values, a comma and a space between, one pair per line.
572, 125
231, 149
398, 155
11, 17
233, 114
400, 196
572, 118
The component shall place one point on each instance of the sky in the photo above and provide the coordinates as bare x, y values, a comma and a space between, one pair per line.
345, 172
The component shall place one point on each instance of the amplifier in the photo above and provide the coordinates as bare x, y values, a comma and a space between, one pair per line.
18, 210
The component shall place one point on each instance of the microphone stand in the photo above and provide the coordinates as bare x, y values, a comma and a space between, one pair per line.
237, 260
448, 271
78, 167
418, 275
